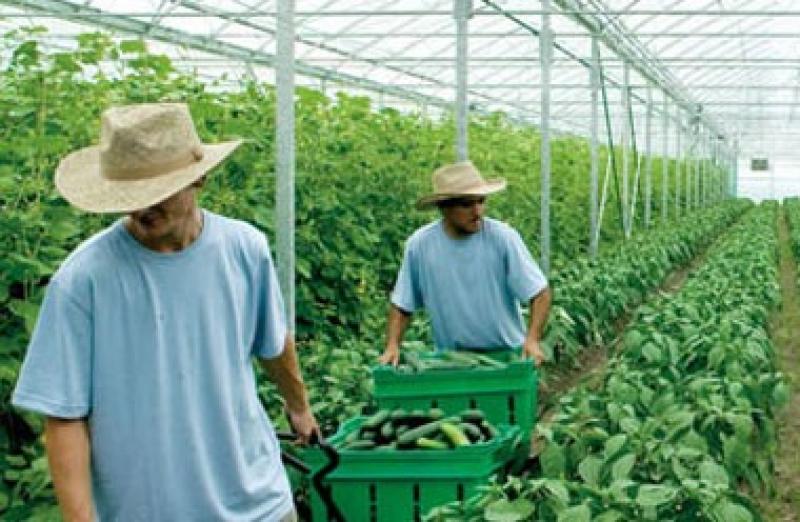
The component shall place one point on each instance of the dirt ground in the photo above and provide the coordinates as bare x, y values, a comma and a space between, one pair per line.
785, 333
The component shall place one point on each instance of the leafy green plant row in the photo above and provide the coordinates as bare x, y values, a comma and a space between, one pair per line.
592, 294
682, 426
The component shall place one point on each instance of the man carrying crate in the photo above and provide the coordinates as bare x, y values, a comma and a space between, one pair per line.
469, 272
141, 357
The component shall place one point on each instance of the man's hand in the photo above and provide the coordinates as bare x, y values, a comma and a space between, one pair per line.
531, 350
304, 424
390, 356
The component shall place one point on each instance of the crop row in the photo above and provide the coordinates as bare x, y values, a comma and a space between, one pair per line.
592, 294
683, 422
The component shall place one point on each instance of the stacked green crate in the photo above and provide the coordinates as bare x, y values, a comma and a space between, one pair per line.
389, 485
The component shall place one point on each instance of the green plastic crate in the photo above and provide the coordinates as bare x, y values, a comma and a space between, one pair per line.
506, 396
403, 485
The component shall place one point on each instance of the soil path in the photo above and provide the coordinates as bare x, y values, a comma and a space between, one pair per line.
785, 333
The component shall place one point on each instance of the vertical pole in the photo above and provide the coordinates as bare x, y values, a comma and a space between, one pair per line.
546, 55
285, 159
461, 11
691, 143
678, 159
698, 168
626, 130
648, 172
736, 168
665, 160
593, 150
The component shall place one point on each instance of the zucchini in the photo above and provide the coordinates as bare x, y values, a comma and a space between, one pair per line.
454, 434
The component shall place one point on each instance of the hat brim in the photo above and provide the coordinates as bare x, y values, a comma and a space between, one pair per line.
80, 182
490, 187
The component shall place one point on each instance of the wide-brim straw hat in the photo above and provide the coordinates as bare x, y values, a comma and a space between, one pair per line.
147, 153
459, 180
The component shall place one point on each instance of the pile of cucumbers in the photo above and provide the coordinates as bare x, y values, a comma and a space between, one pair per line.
411, 362
419, 429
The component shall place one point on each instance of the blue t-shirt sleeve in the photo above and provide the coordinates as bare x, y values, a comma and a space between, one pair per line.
271, 326
406, 294
56, 379
525, 278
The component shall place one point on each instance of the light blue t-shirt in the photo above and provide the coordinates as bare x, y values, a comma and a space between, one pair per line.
471, 287
155, 349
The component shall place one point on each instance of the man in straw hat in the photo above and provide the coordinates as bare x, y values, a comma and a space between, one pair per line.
140, 359
469, 272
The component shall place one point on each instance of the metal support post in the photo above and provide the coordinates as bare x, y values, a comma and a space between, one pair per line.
678, 160
698, 169
285, 159
546, 56
626, 129
736, 169
593, 149
461, 11
665, 160
648, 169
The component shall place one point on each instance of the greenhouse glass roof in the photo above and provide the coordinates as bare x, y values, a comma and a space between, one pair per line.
734, 61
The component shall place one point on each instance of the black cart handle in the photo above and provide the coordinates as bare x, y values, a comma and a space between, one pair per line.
318, 479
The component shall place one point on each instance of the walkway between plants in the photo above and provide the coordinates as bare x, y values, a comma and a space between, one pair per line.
785, 333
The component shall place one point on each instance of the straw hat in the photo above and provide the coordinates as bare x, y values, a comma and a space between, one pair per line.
458, 180
147, 153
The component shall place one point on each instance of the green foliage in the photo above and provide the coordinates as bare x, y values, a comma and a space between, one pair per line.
358, 173
683, 423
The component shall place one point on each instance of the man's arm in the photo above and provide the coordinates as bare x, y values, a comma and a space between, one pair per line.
68, 452
396, 327
539, 310
284, 371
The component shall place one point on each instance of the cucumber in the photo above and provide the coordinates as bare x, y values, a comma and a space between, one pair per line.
454, 434
489, 431
387, 431
471, 431
474, 416
398, 414
485, 360
426, 443
374, 422
426, 430
360, 445
435, 413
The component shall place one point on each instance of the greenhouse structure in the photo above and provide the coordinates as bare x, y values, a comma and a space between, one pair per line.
582, 216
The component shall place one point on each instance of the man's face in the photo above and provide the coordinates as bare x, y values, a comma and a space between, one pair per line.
166, 217
465, 214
